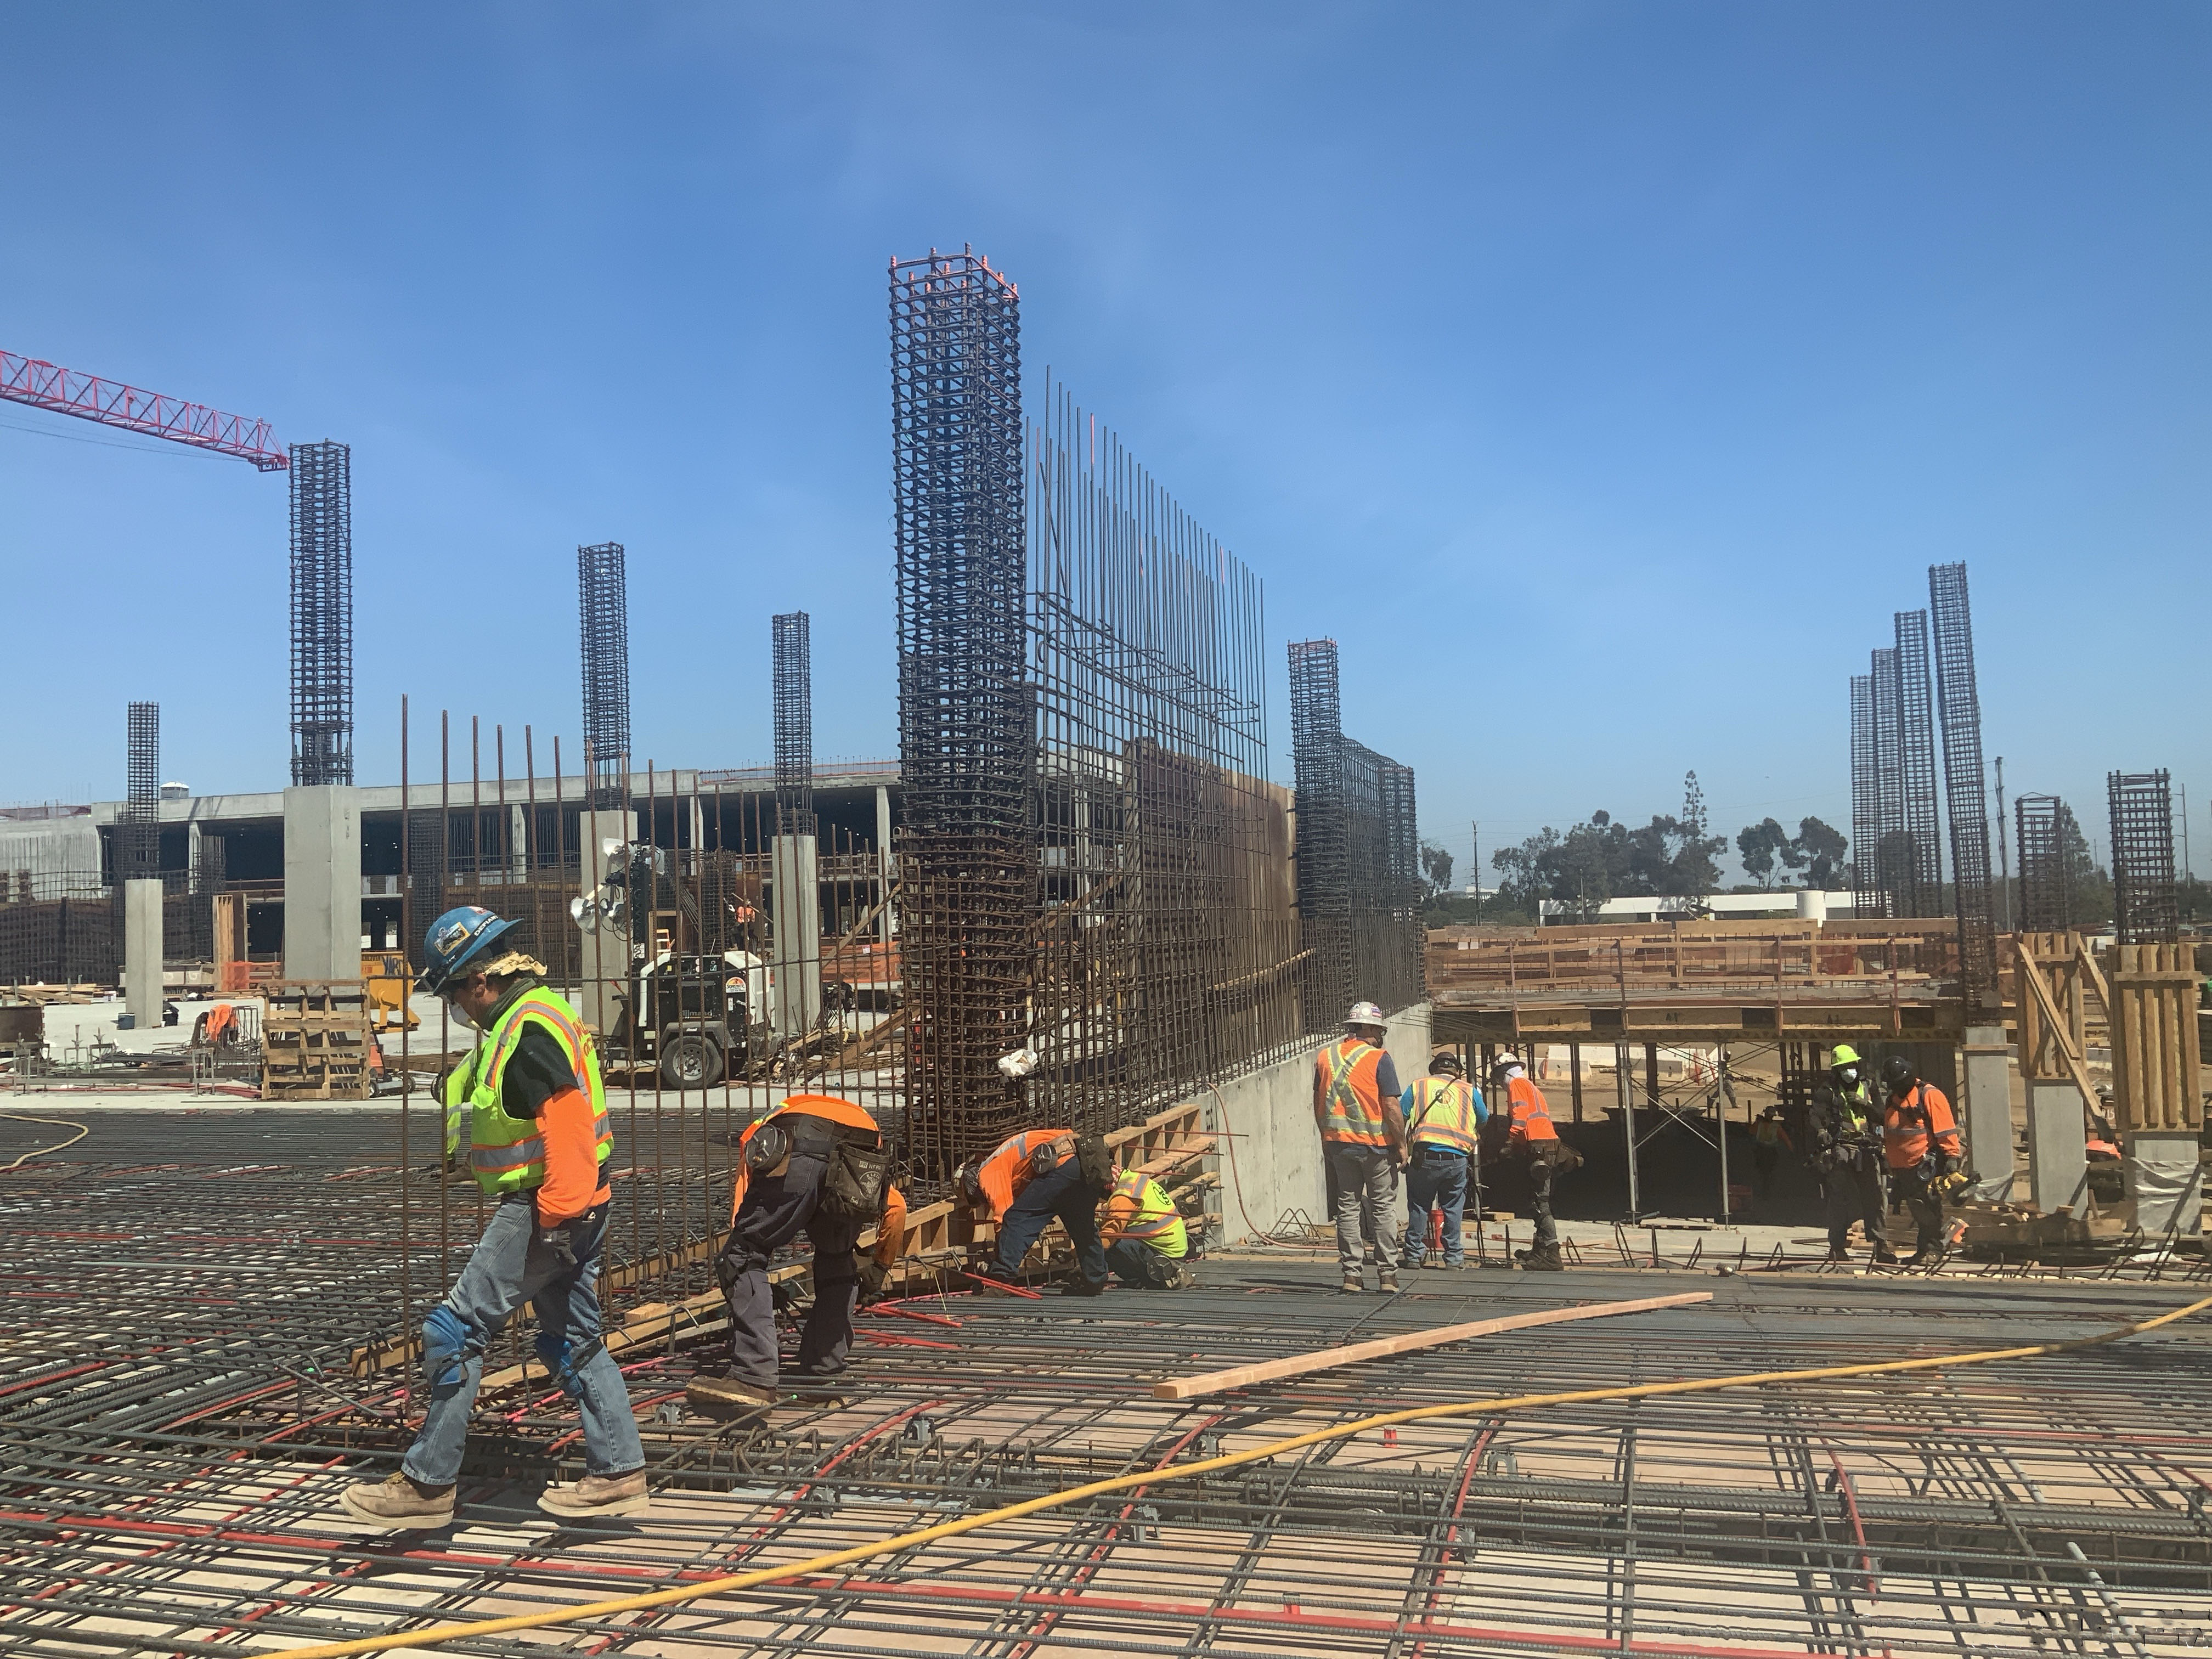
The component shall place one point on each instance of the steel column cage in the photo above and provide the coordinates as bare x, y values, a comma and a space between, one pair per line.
2146, 908
1164, 955
322, 613
792, 651
1892, 858
1958, 704
1868, 898
2046, 886
967, 719
137, 829
1923, 859
603, 605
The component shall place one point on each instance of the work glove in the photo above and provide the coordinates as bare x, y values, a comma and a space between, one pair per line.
873, 1276
556, 1239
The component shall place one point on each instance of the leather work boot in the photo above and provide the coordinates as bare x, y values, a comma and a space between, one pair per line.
1389, 1281
399, 1501
1547, 1261
1181, 1279
727, 1397
1885, 1258
599, 1494
1079, 1286
1353, 1284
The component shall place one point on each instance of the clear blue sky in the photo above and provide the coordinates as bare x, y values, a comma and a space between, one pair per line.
1601, 377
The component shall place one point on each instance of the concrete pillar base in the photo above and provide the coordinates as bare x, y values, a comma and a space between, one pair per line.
2057, 1165
142, 951
322, 883
795, 908
1985, 1113
2164, 1183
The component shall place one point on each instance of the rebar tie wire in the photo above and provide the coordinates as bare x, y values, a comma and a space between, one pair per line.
437, 1635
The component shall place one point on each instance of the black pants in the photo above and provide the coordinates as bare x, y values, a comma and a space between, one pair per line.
1540, 1201
1854, 1194
1925, 1208
1060, 1194
775, 1209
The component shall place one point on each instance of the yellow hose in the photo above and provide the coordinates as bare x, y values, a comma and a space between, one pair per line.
43, 1151
439, 1634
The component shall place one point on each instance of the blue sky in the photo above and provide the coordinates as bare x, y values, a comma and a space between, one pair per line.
1601, 376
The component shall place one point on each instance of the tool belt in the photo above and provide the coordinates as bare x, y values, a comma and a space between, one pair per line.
860, 1173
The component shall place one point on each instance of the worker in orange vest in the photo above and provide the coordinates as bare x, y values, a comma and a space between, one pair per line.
1362, 1133
1028, 1180
816, 1163
1920, 1143
1530, 1137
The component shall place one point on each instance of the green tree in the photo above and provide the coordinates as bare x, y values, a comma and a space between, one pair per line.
1821, 848
1437, 866
1759, 845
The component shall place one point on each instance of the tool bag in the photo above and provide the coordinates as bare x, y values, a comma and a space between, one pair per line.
859, 1170
1096, 1165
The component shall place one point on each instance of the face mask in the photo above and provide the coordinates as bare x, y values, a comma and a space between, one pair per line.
1849, 1074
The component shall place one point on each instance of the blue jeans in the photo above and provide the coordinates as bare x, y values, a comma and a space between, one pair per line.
1060, 1194
1435, 1180
775, 1209
510, 1267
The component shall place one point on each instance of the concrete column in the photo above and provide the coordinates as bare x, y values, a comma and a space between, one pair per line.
2165, 1183
322, 883
795, 905
518, 845
142, 951
2058, 1164
1985, 1113
604, 957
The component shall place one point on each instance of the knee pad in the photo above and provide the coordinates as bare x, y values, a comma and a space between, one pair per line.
444, 1346
554, 1351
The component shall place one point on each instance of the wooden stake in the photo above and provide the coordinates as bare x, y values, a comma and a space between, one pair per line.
1322, 1359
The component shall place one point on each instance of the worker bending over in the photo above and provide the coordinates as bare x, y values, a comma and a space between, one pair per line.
1364, 1138
1146, 1240
1030, 1178
1921, 1139
1846, 1138
815, 1165
1529, 1137
1444, 1114
538, 1143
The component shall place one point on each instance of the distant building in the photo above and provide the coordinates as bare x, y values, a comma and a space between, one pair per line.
1809, 904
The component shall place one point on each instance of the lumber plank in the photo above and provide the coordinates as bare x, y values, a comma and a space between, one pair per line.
1322, 1359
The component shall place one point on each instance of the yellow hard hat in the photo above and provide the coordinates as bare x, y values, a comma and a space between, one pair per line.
1844, 1054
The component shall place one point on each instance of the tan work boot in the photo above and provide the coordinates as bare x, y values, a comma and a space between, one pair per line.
599, 1494
727, 1397
399, 1501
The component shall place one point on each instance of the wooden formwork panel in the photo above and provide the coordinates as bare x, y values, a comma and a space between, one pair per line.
316, 1041
2157, 1071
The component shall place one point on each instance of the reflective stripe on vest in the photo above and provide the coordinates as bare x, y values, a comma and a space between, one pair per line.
1156, 1222
1352, 1103
1532, 1118
1444, 1113
507, 1154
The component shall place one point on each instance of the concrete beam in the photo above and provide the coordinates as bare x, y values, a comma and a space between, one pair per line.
322, 883
142, 951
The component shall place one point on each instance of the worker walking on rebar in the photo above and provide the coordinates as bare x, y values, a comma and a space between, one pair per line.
1845, 1138
1364, 1138
1030, 1178
1920, 1139
817, 1165
1444, 1114
1530, 1137
1146, 1243
538, 1143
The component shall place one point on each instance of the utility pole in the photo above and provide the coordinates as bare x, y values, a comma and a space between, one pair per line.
2188, 875
2004, 867
1474, 834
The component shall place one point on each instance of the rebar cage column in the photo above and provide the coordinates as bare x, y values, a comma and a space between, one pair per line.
1921, 860
966, 715
602, 609
138, 851
1867, 897
792, 653
322, 613
1958, 704
2145, 907
2046, 889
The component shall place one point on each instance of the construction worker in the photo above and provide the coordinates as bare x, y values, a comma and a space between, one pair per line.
1444, 1114
816, 1164
1845, 1144
1530, 1137
538, 1143
1146, 1243
1028, 1180
1920, 1139
1770, 1139
1363, 1135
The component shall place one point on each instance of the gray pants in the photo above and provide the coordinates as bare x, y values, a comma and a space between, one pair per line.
776, 1209
510, 1267
1854, 1194
1366, 1181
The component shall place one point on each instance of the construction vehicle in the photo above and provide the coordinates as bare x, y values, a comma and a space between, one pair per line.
386, 977
694, 1019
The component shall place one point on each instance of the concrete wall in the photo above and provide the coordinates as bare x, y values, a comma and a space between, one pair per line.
1275, 1171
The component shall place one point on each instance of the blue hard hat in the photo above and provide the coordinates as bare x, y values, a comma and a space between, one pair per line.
456, 939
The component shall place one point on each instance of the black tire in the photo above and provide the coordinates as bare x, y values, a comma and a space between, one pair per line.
690, 1061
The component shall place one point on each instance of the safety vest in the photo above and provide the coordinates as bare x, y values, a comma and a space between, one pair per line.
507, 1154
1769, 1132
1444, 1113
1532, 1118
1007, 1171
1352, 1096
1912, 1122
1156, 1222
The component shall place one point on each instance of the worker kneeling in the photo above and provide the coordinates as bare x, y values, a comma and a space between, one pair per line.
1146, 1243
815, 1165
538, 1143
1028, 1180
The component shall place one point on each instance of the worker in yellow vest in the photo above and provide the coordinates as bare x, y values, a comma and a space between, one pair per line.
1146, 1243
1444, 1114
539, 1139
1362, 1133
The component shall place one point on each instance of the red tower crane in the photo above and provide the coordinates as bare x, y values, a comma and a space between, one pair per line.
65, 391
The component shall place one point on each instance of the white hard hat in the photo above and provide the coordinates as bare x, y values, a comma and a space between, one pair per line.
1363, 1013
